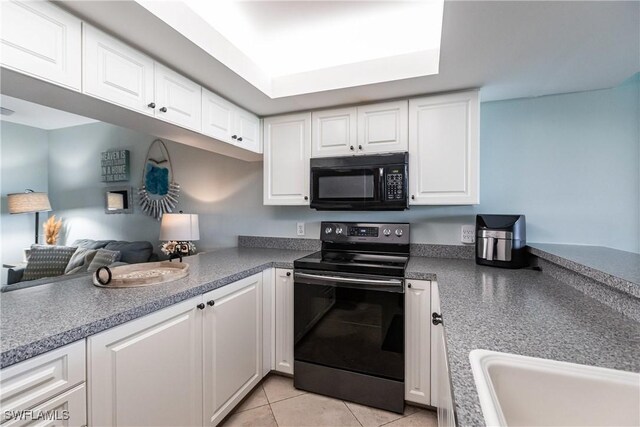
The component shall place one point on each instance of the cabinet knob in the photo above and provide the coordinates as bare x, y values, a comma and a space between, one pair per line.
306, 197
351, 148
163, 109
359, 147
200, 306
413, 197
152, 105
211, 303
436, 318
239, 138
288, 273
234, 136
409, 285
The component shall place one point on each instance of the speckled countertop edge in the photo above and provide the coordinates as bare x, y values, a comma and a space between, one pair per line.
618, 283
79, 330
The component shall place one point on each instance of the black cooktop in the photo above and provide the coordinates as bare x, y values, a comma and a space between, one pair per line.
355, 262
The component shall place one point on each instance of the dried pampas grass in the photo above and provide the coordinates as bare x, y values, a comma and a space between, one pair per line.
52, 230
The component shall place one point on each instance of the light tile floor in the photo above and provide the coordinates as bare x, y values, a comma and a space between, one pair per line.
277, 403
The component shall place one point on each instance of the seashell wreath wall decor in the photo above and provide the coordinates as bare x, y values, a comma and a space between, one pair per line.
159, 192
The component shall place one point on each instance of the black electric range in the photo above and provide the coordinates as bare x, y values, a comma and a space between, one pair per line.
349, 314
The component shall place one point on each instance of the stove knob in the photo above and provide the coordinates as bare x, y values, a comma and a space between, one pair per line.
398, 232
328, 230
386, 232
338, 230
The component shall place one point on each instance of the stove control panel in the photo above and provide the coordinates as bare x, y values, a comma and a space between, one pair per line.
348, 232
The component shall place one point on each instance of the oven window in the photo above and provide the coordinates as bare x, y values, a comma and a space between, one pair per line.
346, 186
348, 328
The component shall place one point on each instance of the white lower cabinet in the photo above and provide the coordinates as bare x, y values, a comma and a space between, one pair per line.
46, 383
148, 371
284, 321
417, 306
232, 346
441, 396
67, 409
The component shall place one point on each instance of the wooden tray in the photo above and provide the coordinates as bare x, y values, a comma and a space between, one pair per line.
135, 275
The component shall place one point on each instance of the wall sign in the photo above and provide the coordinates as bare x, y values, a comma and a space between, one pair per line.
115, 165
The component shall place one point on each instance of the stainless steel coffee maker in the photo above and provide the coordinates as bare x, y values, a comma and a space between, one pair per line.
501, 241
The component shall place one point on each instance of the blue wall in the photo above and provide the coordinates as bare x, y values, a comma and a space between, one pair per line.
570, 162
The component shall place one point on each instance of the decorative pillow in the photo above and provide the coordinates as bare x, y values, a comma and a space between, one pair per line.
103, 258
47, 261
132, 252
81, 258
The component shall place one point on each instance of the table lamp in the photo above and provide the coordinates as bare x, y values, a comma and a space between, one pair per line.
182, 228
29, 202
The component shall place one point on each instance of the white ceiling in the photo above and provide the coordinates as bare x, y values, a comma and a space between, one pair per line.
39, 116
510, 49
332, 40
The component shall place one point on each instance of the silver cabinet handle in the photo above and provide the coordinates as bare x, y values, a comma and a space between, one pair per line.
350, 279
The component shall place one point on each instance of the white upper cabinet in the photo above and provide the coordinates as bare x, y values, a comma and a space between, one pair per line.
383, 128
224, 121
117, 73
287, 140
444, 149
178, 99
217, 116
247, 130
334, 132
42, 40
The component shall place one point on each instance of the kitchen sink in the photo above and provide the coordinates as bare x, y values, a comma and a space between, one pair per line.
527, 391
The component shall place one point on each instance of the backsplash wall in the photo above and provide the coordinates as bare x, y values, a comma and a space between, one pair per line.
569, 162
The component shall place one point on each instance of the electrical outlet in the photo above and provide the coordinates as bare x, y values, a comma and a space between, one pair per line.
300, 228
468, 234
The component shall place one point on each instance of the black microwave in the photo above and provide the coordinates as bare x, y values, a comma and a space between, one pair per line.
360, 183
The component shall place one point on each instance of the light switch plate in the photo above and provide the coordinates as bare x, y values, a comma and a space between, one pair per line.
468, 234
300, 228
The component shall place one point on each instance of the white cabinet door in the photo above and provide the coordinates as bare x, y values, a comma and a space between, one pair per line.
148, 371
178, 99
418, 342
247, 130
232, 346
287, 143
441, 396
334, 132
42, 40
29, 383
217, 116
284, 321
69, 407
444, 149
383, 128
117, 73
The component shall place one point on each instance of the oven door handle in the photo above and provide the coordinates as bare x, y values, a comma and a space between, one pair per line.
340, 279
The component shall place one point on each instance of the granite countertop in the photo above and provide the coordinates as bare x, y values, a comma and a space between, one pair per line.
523, 312
42, 318
619, 269
519, 311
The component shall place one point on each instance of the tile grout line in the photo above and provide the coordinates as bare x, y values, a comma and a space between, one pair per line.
354, 415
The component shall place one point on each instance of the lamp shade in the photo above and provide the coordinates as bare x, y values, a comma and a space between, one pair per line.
179, 227
28, 202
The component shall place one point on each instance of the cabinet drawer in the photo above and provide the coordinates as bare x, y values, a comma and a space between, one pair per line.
66, 409
26, 384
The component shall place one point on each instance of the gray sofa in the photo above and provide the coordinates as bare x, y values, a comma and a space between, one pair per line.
130, 253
